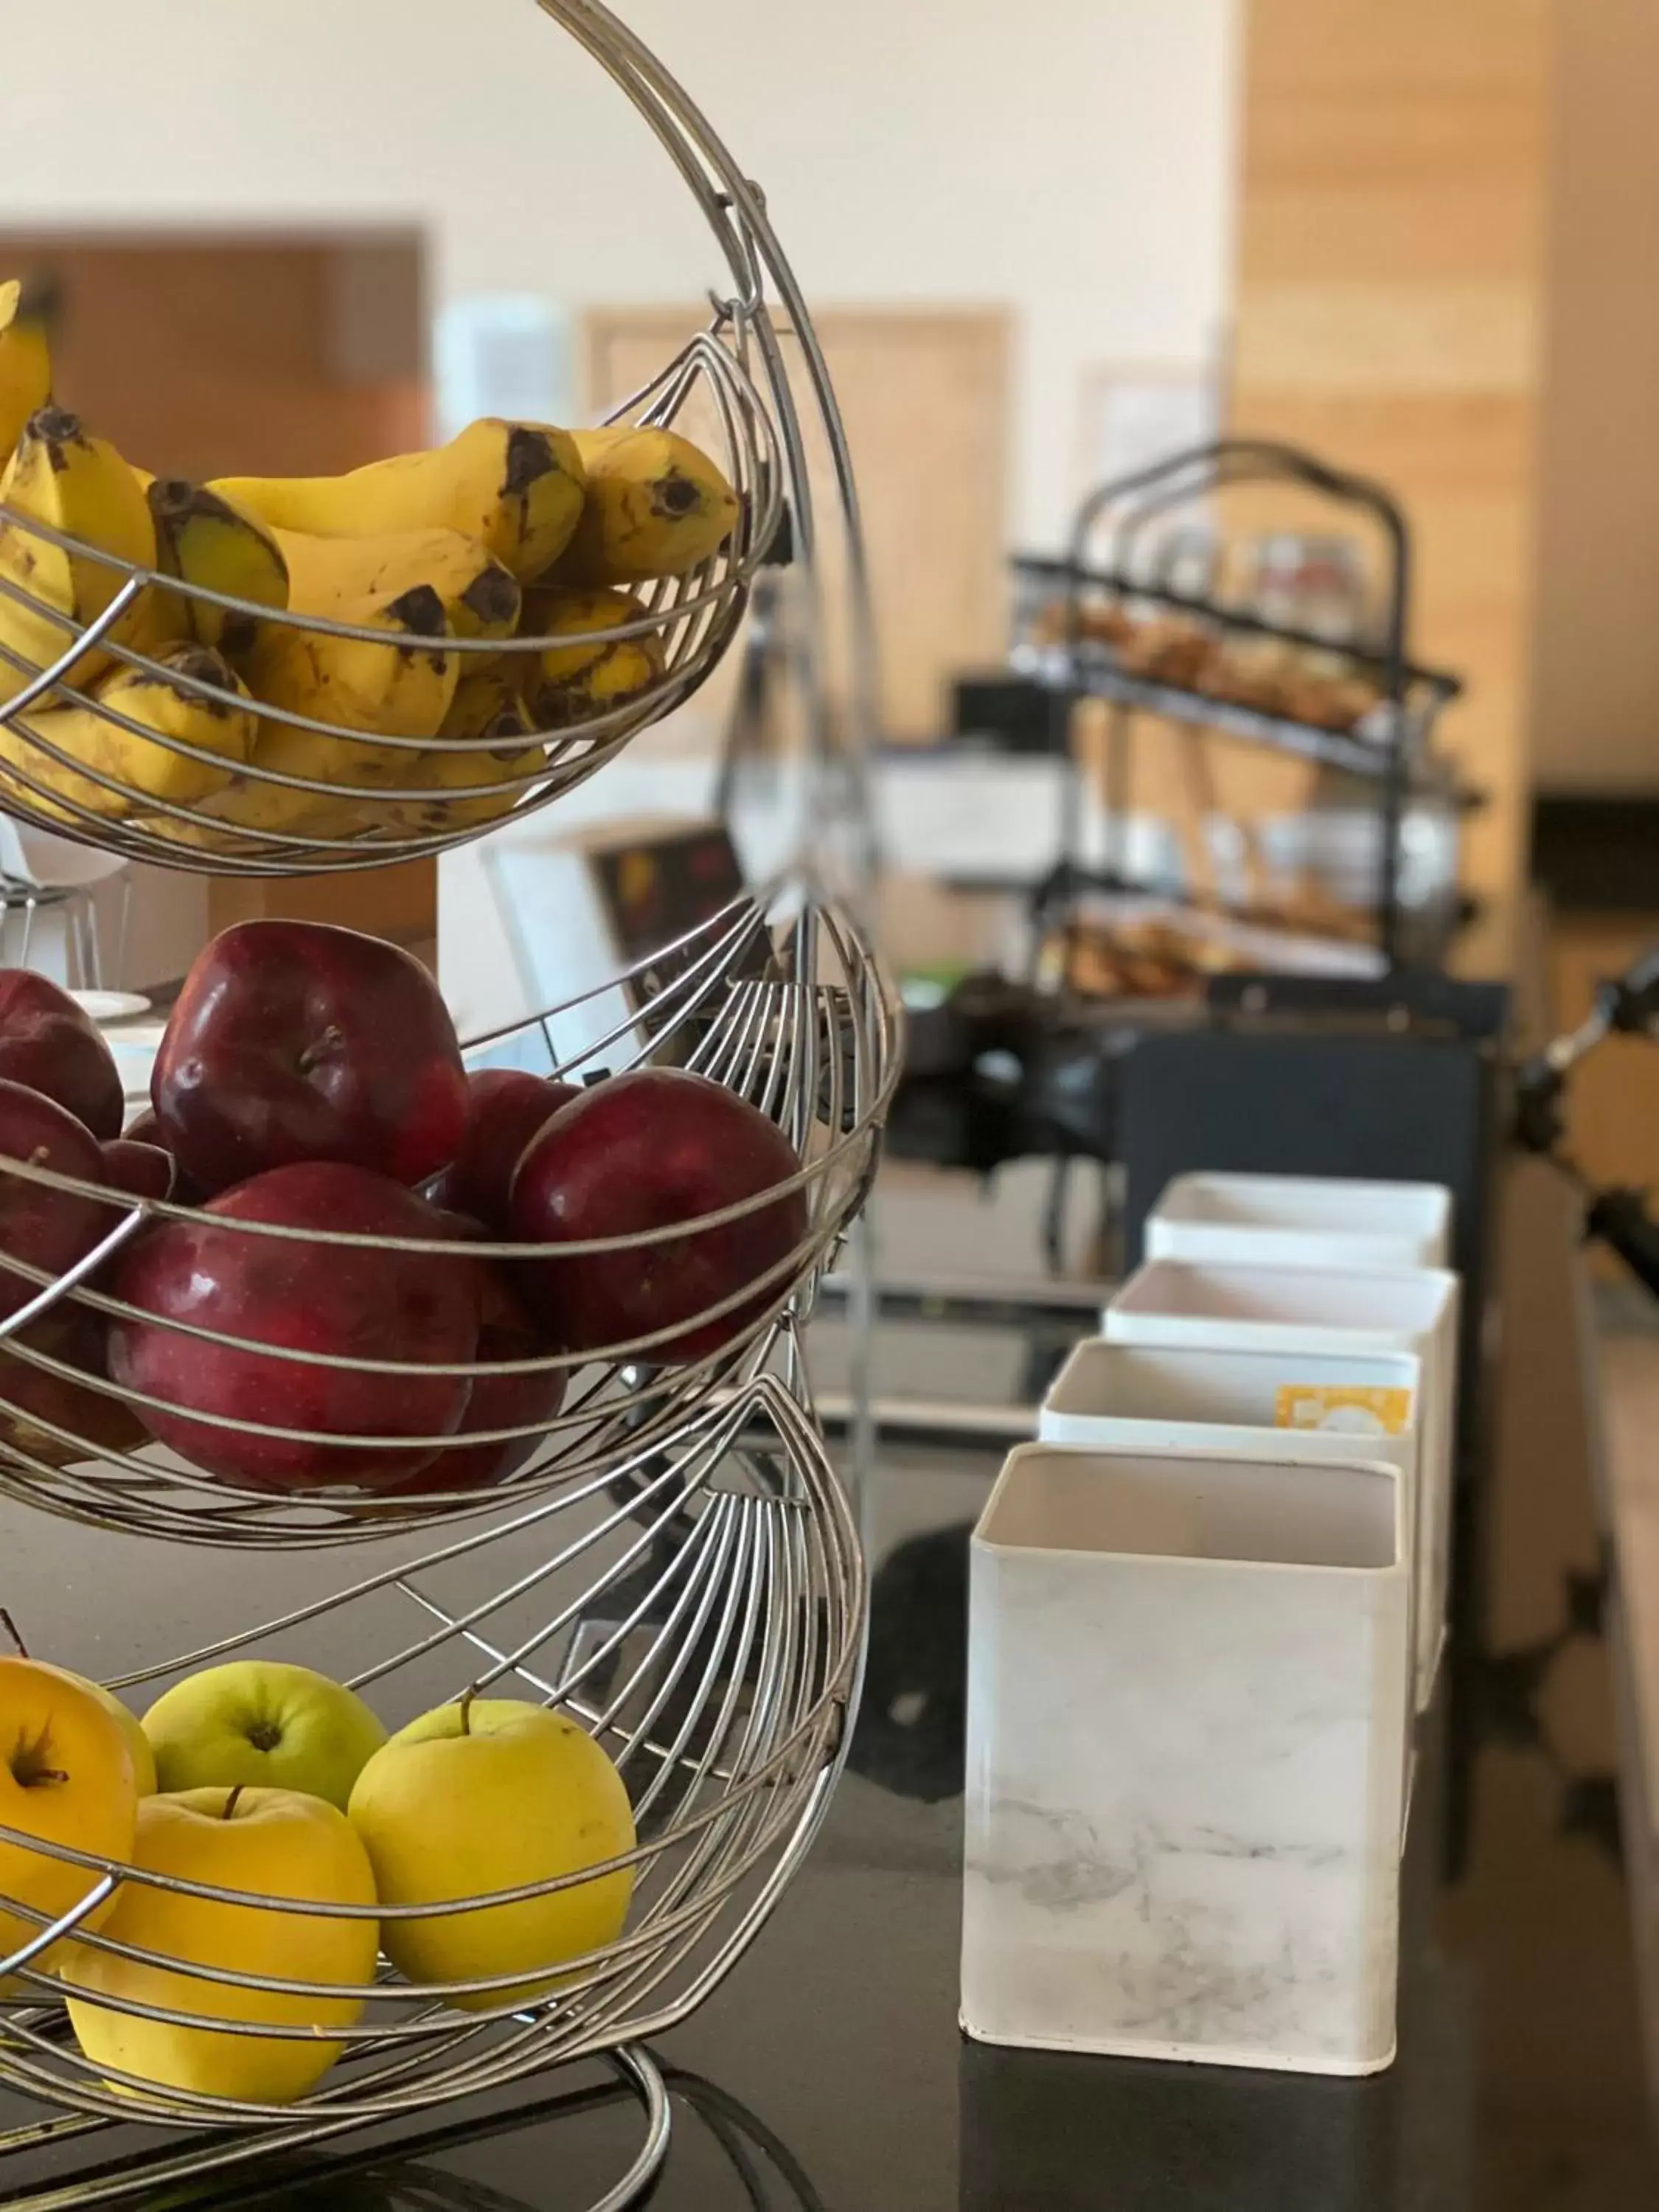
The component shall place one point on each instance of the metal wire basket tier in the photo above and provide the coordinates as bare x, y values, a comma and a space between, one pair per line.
700, 1610
673, 1561
793, 1017
400, 798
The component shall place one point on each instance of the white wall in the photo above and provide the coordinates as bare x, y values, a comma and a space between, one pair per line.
1069, 157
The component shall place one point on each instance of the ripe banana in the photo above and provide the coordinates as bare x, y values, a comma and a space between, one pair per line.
402, 689
146, 769
486, 704
491, 718
80, 485
246, 808
203, 538
25, 365
656, 506
570, 683
480, 595
516, 486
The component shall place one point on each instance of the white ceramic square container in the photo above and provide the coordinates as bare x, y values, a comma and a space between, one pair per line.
1187, 1708
1284, 1405
1324, 1312
1301, 1221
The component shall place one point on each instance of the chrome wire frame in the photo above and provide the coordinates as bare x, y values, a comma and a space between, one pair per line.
779, 998
704, 1622
678, 1565
689, 621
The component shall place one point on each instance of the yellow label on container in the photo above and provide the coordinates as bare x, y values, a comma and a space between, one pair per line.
1357, 1408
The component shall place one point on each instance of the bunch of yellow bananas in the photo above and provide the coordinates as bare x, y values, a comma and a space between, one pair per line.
513, 533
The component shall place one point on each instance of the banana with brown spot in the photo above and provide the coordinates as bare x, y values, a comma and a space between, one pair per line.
145, 768
61, 476
656, 506
515, 487
480, 594
575, 679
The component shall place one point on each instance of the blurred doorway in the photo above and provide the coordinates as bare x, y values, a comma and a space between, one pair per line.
269, 354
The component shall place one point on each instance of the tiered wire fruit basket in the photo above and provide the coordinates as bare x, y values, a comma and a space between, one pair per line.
674, 1562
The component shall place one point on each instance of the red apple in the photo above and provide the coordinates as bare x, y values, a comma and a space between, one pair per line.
296, 1041
30, 1396
642, 1151
50, 1228
145, 1129
505, 1108
498, 1401
142, 1170
47, 1043
341, 1301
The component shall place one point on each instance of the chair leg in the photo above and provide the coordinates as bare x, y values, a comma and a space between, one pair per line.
119, 980
92, 961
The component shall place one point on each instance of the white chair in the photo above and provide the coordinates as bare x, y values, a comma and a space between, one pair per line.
53, 880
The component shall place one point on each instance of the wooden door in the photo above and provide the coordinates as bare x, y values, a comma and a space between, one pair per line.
925, 399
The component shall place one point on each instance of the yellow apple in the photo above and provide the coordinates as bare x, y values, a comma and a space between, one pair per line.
490, 1795
264, 1724
144, 1758
271, 1841
65, 1776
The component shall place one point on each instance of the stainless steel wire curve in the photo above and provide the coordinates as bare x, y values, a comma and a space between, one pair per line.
676, 1563
637, 2068
703, 1620
387, 797
779, 999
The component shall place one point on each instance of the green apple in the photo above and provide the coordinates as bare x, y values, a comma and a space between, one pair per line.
266, 1725
490, 1795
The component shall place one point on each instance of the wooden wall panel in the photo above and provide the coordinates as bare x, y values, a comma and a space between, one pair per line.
925, 398
1390, 313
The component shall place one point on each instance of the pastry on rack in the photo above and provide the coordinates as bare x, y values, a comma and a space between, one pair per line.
1094, 621
1165, 649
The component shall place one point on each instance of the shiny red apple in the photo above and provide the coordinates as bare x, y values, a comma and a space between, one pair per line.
35, 1403
498, 1401
50, 1228
505, 1108
144, 1129
142, 1170
347, 1301
296, 1041
47, 1043
643, 1151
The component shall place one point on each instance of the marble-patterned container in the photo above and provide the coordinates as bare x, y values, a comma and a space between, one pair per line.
1327, 1311
1285, 1404
1301, 1221
1187, 1708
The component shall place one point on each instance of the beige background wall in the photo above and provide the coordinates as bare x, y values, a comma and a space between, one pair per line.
1596, 650
1071, 161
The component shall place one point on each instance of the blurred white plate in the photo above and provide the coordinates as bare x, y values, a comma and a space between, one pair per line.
111, 1006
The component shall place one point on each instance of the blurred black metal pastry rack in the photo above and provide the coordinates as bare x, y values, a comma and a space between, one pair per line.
1113, 618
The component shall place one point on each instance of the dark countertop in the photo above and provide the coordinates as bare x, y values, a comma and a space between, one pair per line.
1518, 2082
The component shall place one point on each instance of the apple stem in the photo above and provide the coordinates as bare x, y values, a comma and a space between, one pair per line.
328, 1043
467, 1696
11, 1629
230, 1801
